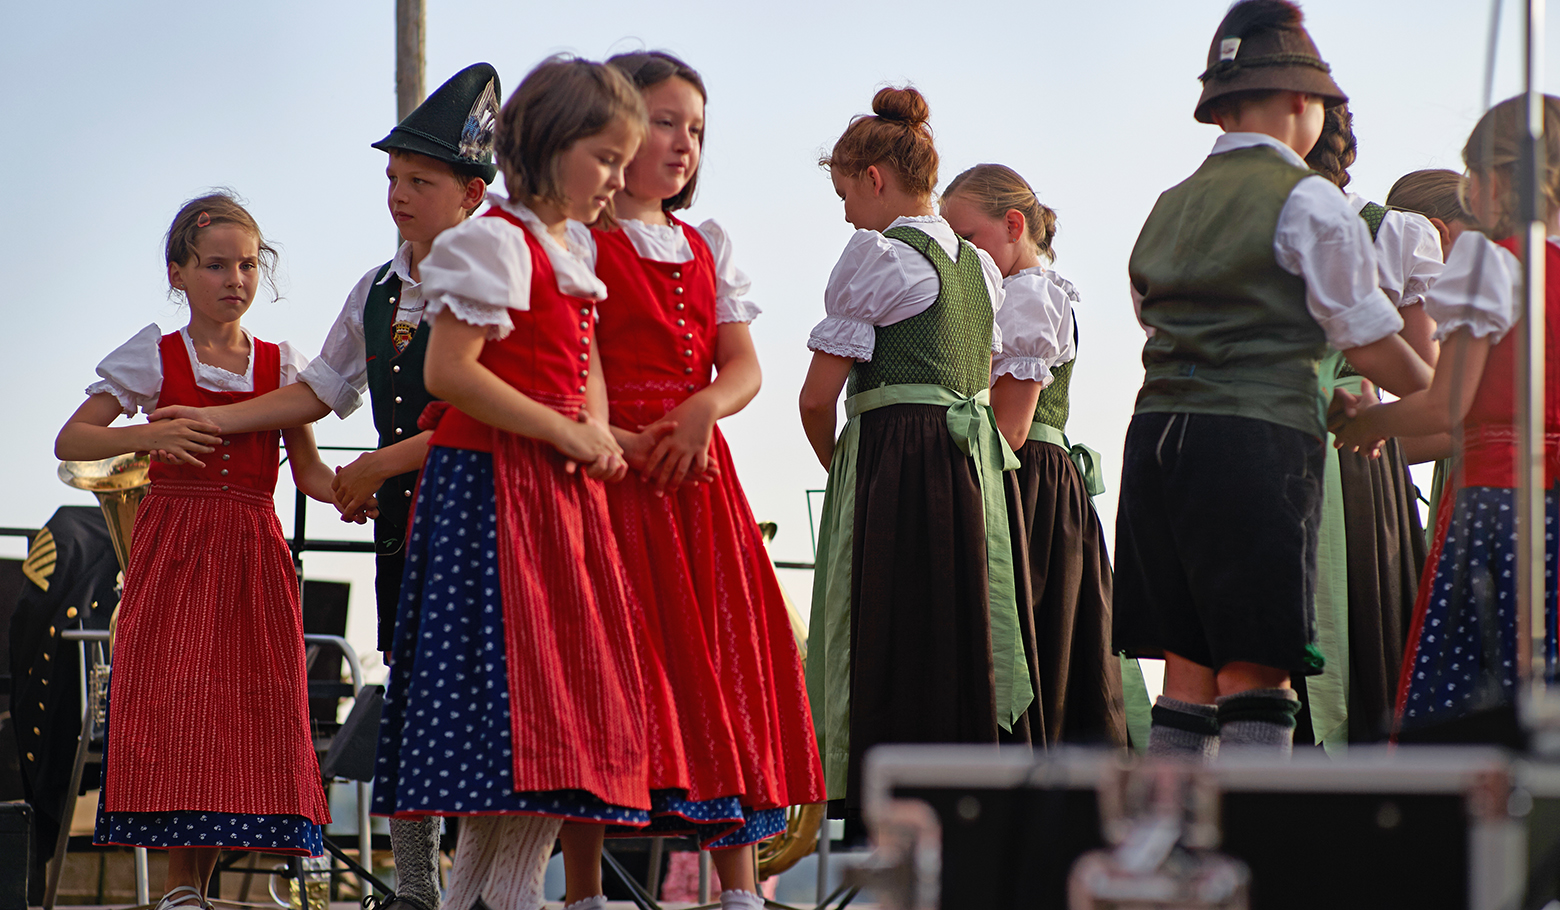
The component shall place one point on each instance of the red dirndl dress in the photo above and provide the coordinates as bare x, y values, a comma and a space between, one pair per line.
208, 707
718, 635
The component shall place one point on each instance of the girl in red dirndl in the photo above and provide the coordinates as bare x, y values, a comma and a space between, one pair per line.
209, 745
515, 694
740, 746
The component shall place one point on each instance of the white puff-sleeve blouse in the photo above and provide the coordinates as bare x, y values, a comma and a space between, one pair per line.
1037, 325
668, 243
1408, 254
1479, 290
132, 372
879, 281
481, 268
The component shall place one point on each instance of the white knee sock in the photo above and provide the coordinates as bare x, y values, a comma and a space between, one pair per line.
599, 902
735, 899
503, 860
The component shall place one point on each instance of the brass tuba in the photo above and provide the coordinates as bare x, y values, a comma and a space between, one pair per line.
119, 483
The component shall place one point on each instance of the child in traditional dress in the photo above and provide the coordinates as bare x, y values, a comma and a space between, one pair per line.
515, 695
915, 633
1435, 193
738, 746
1221, 483
1462, 650
1079, 683
1372, 543
209, 746
441, 162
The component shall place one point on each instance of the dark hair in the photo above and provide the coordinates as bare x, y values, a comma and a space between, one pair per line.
563, 100
218, 207
995, 189
1336, 148
1433, 193
1226, 106
1493, 146
895, 134
651, 68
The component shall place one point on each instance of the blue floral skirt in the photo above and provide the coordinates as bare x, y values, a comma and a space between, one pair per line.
1462, 649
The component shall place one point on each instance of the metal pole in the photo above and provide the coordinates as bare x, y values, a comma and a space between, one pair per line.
409, 21
1533, 607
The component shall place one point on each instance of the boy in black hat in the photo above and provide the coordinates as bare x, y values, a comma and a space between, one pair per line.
1243, 275
441, 162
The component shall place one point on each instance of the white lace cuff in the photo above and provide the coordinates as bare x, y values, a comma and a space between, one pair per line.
844, 336
128, 403
735, 309
494, 316
1028, 369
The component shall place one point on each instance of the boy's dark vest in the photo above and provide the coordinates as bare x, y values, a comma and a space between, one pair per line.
1232, 332
395, 387
947, 344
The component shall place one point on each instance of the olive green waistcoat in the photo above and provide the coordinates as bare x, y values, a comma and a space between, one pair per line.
1232, 334
947, 344
1055, 403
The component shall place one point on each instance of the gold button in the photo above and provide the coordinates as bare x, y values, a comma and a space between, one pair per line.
392, 300
396, 368
47, 656
40, 708
37, 732
46, 680
51, 630
70, 613
30, 755
224, 472
397, 399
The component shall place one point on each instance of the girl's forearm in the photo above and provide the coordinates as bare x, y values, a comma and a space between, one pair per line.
80, 441
310, 474
738, 376
481, 395
290, 406
1014, 401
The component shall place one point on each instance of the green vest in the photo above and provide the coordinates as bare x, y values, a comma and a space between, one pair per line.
395, 387
1232, 332
947, 344
1054, 404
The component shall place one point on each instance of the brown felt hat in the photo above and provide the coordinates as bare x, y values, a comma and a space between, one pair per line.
1262, 46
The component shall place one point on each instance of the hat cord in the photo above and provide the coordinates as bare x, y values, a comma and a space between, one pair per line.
1229, 69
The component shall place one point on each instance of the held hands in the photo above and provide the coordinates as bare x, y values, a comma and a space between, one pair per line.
586, 442
1343, 420
354, 487
683, 451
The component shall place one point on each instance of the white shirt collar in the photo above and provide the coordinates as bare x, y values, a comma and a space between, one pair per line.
935, 227
575, 264
401, 266
657, 242
1229, 142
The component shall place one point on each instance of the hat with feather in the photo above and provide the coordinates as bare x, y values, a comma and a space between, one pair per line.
455, 124
1262, 46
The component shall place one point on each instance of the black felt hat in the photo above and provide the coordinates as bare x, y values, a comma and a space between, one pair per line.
454, 124
1262, 45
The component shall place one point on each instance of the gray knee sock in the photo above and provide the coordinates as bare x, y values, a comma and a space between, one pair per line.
1259, 718
1183, 729
415, 842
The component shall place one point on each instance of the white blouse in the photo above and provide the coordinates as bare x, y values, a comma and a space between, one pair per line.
481, 268
1320, 238
879, 281
1408, 254
339, 375
133, 374
1037, 325
1479, 290
667, 243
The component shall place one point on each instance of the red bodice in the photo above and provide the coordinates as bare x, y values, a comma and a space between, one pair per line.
243, 460
657, 333
1490, 436
547, 356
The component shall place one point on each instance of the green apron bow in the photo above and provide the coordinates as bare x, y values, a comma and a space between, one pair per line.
1086, 460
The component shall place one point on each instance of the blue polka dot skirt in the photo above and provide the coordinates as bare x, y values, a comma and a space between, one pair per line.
716, 823
1462, 646
445, 746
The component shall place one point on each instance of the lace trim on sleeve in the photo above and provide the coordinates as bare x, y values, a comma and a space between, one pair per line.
493, 316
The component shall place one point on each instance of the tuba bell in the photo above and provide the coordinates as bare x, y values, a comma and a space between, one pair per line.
120, 484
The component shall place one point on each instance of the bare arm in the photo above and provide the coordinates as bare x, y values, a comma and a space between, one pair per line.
820, 401
453, 373
737, 380
1391, 364
1431, 411
355, 485
309, 473
87, 435
290, 406
1419, 331
1014, 401
1420, 449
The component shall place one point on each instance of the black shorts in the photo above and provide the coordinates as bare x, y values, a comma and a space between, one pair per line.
1216, 534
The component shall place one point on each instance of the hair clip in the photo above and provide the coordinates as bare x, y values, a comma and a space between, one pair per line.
202, 220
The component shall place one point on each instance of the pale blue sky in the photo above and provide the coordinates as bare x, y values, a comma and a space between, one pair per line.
115, 113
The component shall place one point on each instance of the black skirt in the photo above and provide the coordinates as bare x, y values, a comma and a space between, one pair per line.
1079, 694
